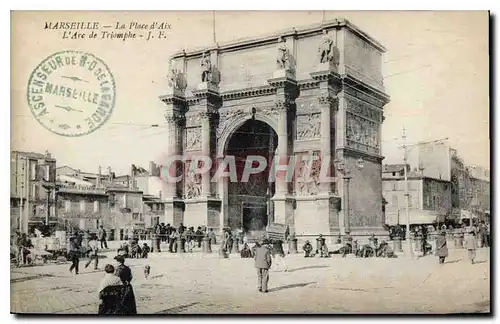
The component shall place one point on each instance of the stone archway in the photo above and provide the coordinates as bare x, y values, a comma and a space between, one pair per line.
248, 203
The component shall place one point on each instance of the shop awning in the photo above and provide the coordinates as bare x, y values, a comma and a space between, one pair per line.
467, 214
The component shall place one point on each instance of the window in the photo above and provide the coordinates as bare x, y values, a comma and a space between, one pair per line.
438, 202
394, 174
135, 217
409, 200
34, 192
82, 206
32, 171
433, 201
67, 205
96, 206
395, 200
395, 186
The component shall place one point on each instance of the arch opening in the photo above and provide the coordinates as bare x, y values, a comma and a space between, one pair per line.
249, 204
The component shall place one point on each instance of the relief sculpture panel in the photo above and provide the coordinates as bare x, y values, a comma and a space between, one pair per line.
193, 139
227, 118
193, 182
308, 126
308, 183
362, 134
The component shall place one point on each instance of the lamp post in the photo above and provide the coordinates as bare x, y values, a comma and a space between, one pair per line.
346, 176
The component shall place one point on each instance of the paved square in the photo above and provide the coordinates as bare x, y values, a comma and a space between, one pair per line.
197, 283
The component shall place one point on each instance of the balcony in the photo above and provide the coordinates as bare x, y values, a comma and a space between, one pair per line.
80, 189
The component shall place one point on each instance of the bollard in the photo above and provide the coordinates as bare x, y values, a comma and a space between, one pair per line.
180, 245
418, 243
292, 246
205, 245
236, 248
155, 243
396, 245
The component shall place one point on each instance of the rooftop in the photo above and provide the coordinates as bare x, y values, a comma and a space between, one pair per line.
301, 31
389, 168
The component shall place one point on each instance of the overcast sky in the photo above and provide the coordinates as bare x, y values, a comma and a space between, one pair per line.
436, 69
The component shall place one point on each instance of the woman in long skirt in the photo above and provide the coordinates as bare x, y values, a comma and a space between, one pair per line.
125, 274
111, 292
441, 247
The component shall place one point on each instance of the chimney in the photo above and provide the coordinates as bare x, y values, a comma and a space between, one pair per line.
152, 168
98, 183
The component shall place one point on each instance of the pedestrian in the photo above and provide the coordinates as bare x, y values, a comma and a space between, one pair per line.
172, 246
111, 291
320, 241
471, 245
102, 237
441, 247
74, 254
212, 237
263, 262
199, 236
307, 249
279, 255
93, 249
125, 274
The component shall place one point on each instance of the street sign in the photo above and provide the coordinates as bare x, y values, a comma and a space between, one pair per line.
276, 231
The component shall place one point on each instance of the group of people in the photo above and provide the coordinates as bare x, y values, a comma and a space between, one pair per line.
116, 294
189, 237
349, 246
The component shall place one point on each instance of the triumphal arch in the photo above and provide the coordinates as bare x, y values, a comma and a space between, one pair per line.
311, 92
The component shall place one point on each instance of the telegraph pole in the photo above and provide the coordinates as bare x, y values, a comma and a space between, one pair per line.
407, 195
21, 205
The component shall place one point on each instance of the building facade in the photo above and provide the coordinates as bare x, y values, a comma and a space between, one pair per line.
470, 191
30, 171
429, 199
276, 97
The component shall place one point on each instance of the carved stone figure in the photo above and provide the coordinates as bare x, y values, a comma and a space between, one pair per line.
193, 139
193, 184
283, 58
206, 66
308, 127
325, 48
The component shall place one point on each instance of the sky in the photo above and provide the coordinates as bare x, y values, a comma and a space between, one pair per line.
436, 69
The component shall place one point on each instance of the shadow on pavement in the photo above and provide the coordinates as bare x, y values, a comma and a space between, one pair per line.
477, 262
291, 286
310, 267
454, 261
177, 309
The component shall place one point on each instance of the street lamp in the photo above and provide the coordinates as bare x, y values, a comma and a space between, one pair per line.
346, 176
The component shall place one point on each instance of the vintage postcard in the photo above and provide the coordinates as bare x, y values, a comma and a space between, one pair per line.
231, 162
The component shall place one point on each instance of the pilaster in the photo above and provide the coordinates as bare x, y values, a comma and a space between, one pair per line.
286, 93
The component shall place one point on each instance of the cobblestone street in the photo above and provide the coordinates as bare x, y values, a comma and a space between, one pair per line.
196, 283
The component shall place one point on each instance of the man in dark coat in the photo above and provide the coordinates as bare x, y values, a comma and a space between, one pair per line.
102, 237
262, 264
125, 274
441, 247
199, 236
74, 254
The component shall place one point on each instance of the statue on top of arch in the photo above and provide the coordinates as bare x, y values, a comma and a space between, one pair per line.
283, 58
209, 72
328, 52
175, 78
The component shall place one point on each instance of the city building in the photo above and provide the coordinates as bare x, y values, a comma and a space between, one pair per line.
431, 159
30, 171
429, 198
470, 190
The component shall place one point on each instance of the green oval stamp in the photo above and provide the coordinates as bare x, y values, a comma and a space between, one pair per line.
72, 93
